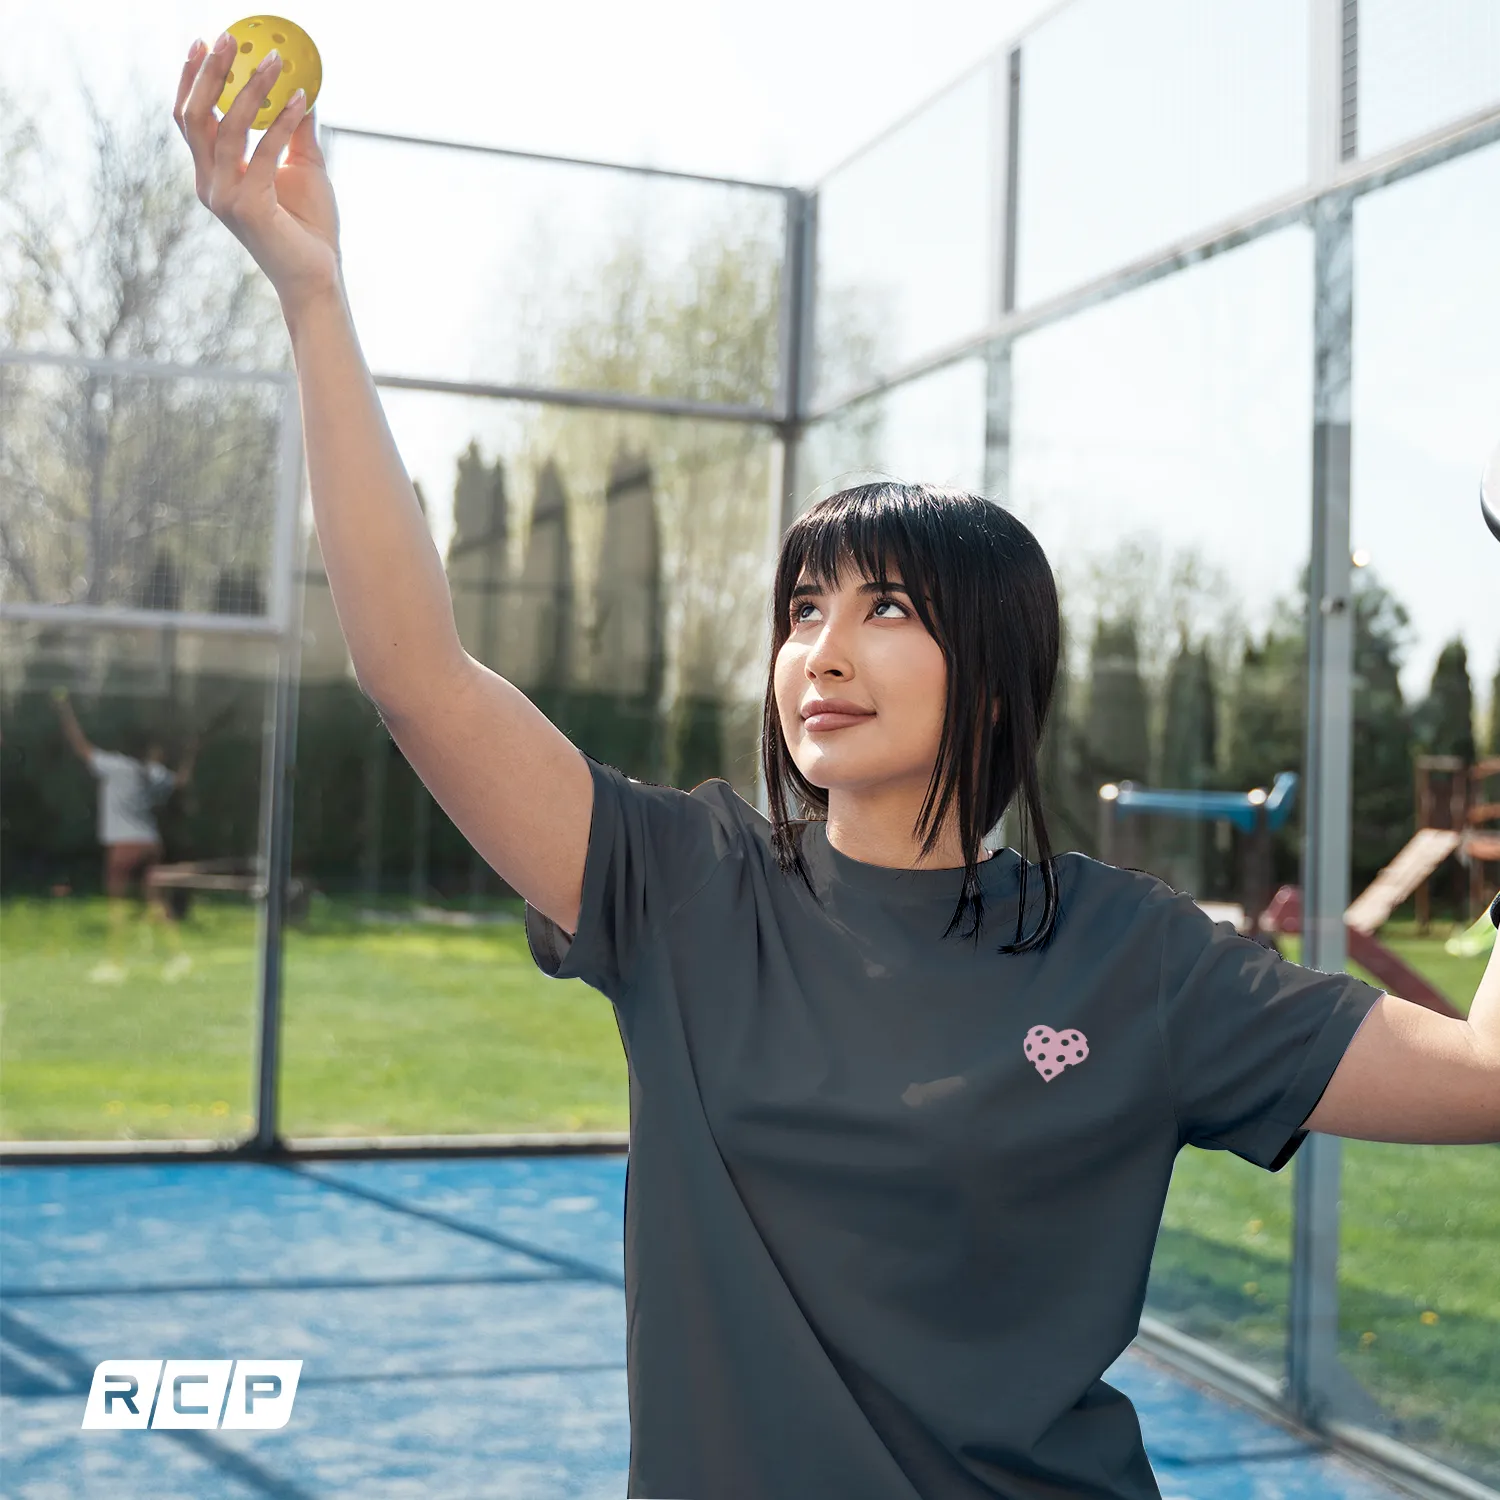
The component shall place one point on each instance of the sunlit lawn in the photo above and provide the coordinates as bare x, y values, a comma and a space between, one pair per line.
416, 1029
1419, 1260
426, 1029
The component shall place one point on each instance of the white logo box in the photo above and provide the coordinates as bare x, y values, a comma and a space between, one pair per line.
237, 1393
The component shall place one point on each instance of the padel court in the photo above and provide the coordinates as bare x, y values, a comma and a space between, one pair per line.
461, 1324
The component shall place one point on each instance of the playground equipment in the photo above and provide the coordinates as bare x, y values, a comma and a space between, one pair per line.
1258, 812
1460, 814
1264, 914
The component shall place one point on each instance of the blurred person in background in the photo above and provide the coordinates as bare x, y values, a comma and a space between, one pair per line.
130, 790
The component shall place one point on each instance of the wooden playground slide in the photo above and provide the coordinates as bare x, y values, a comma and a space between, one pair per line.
1424, 852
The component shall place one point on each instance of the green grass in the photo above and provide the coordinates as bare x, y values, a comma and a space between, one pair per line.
426, 1029
386, 1030
1419, 1289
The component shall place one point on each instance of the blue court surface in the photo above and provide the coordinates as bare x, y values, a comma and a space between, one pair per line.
461, 1323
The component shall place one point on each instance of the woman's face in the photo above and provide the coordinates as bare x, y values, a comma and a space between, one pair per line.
868, 646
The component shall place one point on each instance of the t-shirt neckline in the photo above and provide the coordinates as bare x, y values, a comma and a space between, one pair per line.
995, 874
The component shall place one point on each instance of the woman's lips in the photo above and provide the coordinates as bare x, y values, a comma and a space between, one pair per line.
821, 723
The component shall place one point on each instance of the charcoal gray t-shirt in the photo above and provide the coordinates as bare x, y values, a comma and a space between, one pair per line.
891, 1198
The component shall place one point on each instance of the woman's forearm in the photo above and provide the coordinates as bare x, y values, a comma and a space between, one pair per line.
389, 588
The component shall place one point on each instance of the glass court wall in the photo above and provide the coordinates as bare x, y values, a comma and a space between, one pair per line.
584, 382
1208, 305
149, 530
1201, 289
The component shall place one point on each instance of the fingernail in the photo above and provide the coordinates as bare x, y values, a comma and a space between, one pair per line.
225, 40
268, 59
194, 50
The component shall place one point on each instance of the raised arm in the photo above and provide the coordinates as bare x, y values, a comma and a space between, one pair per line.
184, 772
72, 730
510, 779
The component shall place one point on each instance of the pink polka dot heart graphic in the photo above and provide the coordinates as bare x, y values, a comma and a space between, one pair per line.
1051, 1051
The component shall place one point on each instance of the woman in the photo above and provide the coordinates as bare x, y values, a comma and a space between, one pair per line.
893, 1184
130, 789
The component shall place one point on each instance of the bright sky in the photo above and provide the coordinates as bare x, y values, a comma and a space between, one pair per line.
779, 89
1132, 418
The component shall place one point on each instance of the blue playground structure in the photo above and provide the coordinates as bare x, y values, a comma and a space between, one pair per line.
1257, 812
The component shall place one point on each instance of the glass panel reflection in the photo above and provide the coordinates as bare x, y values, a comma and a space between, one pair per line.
555, 274
137, 491
131, 968
1417, 1279
1161, 453
616, 568
1421, 66
928, 431
905, 242
1141, 123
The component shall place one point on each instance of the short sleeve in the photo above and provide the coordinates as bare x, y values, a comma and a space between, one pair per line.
1251, 1038
651, 849
102, 762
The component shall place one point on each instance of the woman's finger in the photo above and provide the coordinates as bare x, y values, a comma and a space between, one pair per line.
304, 145
199, 125
263, 160
185, 84
234, 128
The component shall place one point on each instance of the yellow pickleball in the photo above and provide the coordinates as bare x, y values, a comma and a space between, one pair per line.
301, 67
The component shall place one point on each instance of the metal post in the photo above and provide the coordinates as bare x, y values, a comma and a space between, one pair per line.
279, 763
794, 385
798, 330
1005, 96
1317, 1385
1005, 114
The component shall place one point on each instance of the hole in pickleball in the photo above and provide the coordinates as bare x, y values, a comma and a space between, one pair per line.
244, 46
286, 67
265, 104
277, 37
230, 79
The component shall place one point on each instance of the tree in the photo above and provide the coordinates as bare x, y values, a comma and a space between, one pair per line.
704, 329
1189, 761
128, 490
1267, 721
102, 473
1383, 742
1117, 735
1189, 753
1444, 722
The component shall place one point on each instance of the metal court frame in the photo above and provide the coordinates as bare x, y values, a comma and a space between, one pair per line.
1317, 1394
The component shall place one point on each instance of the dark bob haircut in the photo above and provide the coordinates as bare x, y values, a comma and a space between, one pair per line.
983, 588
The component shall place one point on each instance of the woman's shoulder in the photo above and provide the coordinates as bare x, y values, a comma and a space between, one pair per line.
1097, 897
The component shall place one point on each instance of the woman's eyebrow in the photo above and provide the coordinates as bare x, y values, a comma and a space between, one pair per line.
864, 588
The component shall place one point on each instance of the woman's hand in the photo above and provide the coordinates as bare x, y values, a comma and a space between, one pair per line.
284, 216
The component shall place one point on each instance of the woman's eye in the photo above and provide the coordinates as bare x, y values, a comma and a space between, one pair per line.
879, 603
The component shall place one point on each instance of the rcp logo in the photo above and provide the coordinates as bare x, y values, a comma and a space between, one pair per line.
192, 1393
